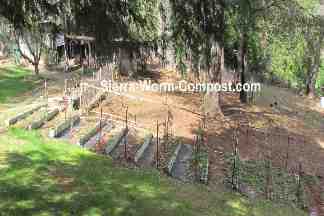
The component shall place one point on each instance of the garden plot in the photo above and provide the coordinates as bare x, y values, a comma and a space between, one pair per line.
37, 115
203, 167
167, 151
140, 151
253, 181
57, 120
91, 143
134, 140
147, 159
113, 145
87, 129
181, 168
107, 137
12, 116
70, 128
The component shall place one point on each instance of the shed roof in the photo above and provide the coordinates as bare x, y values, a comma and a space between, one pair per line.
80, 37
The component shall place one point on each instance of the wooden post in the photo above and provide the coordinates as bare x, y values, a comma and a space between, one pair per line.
299, 188
235, 171
65, 87
81, 99
165, 135
46, 99
196, 157
71, 115
89, 53
247, 135
100, 126
287, 152
157, 144
125, 138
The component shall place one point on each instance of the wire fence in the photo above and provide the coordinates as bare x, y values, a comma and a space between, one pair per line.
271, 164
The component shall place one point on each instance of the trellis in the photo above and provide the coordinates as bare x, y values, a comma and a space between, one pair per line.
271, 161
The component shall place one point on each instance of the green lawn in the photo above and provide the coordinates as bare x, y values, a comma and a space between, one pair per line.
44, 177
14, 81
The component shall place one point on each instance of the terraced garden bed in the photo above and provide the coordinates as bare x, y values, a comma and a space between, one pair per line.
148, 139
58, 119
167, 151
24, 123
285, 188
79, 134
135, 139
106, 137
98, 137
12, 117
203, 167
66, 128
49, 115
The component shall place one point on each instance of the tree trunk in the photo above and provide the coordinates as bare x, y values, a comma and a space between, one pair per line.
313, 70
242, 64
36, 68
311, 79
315, 60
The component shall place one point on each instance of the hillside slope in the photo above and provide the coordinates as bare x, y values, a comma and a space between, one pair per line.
42, 177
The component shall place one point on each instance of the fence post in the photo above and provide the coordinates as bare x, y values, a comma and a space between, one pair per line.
287, 152
46, 99
269, 180
125, 138
235, 170
100, 127
157, 145
299, 186
81, 99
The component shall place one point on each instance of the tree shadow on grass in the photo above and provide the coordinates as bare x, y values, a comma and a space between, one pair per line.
35, 183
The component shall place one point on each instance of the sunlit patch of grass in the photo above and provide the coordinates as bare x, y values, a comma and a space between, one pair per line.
239, 207
14, 81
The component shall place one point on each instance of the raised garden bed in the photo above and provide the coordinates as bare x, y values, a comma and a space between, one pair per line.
173, 159
114, 141
142, 149
252, 181
180, 163
39, 122
100, 96
203, 167
64, 126
167, 151
86, 136
22, 115
94, 140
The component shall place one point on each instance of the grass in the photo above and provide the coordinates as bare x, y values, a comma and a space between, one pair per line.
14, 81
48, 177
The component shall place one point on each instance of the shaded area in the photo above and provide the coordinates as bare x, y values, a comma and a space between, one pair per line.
181, 169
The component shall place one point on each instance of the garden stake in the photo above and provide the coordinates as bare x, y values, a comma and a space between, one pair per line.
157, 144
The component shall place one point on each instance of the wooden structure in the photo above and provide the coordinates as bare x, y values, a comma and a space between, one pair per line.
82, 45
80, 49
